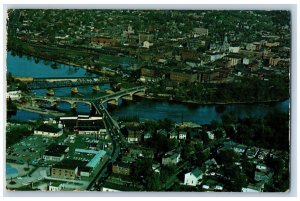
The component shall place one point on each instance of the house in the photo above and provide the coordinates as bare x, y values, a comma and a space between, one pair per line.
121, 168
253, 188
240, 148
210, 135
156, 167
173, 134
49, 131
193, 178
211, 184
210, 163
147, 135
182, 135
171, 158
56, 152
134, 136
262, 167
147, 44
55, 186
137, 151
263, 176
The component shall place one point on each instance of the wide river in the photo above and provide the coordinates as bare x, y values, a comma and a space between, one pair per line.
145, 109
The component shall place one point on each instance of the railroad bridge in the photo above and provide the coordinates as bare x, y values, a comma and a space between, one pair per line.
49, 83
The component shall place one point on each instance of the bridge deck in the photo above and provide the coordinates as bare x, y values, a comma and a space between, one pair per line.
43, 84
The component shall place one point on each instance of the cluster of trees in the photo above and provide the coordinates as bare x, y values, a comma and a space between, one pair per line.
243, 90
16, 134
271, 131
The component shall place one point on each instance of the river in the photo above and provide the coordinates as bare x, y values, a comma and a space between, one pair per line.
145, 109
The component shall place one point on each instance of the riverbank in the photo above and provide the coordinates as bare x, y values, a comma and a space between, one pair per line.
211, 103
40, 110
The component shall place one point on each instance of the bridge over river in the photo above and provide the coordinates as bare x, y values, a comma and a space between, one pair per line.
49, 83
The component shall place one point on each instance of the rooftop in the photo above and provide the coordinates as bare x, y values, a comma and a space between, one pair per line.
48, 128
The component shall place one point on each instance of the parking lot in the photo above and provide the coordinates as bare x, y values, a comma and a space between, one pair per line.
29, 149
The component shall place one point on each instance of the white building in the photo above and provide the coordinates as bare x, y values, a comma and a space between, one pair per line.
234, 49
147, 44
13, 95
47, 130
193, 178
182, 135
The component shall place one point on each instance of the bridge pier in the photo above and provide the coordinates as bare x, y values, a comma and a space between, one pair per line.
73, 106
113, 103
96, 88
127, 99
74, 90
54, 104
50, 92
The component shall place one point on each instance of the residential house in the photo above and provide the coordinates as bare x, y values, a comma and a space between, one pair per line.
134, 136
253, 188
182, 135
264, 177
173, 134
193, 178
261, 167
171, 158
239, 148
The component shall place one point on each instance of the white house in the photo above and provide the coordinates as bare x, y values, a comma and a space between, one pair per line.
193, 178
261, 167
182, 135
147, 44
211, 135
251, 188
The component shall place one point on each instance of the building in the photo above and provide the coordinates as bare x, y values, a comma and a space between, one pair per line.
98, 157
134, 136
193, 178
14, 95
55, 186
182, 135
56, 152
171, 158
199, 32
103, 41
137, 151
182, 76
121, 168
49, 131
253, 188
239, 148
145, 37
67, 169
84, 124
173, 134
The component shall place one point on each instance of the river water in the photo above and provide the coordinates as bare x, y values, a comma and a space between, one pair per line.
145, 109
